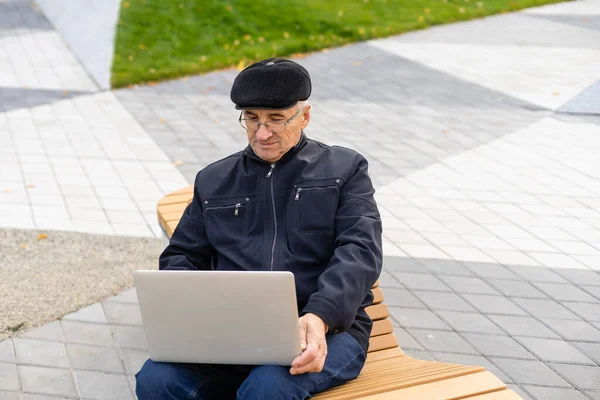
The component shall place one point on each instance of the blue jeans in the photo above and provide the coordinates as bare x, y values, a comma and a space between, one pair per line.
345, 359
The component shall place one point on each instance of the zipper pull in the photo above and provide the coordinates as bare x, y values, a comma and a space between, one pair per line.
237, 209
270, 171
298, 194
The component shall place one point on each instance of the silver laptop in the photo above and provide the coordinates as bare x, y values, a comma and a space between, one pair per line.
220, 317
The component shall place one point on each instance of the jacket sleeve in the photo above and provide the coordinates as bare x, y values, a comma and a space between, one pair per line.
189, 248
357, 259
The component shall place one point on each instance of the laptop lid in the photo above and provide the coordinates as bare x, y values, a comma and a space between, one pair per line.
221, 317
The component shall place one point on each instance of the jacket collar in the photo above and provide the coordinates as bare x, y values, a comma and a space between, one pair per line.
249, 152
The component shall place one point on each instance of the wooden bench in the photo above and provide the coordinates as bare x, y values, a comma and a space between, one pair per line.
388, 374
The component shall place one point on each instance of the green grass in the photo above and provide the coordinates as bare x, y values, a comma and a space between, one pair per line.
161, 39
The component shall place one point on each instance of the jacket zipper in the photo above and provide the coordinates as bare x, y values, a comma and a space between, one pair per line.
302, 189
274, 215
236, 210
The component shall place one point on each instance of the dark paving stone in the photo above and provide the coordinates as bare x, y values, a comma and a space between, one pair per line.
537, 274
401, 298
523, 326
580, 276
405, 341
564, 292
403, 264
419, 354
592, 350
13, 98
573, 330
446, 267
513, 288
420, 281
545, 308
17, 17
415, 318
386, 280
497, 346
517, 389
493, 304
469, 322
471, 285
594, 395
593, 290
582, 376
530, 372
468, 359
443, 301
442, 341
554, 350
585, 102
581, 21
486, 270
548, 393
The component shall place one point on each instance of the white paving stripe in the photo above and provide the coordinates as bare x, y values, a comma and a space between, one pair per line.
529, 198
82, 165
545, 76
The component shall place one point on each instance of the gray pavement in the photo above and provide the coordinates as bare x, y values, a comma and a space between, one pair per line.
483, 140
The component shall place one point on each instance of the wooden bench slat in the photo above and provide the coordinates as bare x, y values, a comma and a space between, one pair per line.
382, 327
374, 356
379, 311
377, 295
175, 199
501, 395
447, 389
383, 342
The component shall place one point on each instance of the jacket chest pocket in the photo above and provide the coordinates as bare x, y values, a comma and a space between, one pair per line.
226, 221
315, 207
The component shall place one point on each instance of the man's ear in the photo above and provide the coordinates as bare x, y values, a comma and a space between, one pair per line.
306, 115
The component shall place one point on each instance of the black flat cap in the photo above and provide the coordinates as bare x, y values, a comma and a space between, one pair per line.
273, 84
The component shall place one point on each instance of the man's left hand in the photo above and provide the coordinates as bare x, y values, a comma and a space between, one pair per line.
314, 345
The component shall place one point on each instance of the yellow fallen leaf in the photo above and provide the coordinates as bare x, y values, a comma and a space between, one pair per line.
445, 131
357, 63
286, 35
237, 42
152, 70
126, 4
340, 13
247, 37
163, 121
261, 39
461, 10
479, 4
42, 236
203, 58
30, 186
585, 19
228, 8
427, 11
7, 191
361, 31
65, 92
421, 18
241, 65
24, 245
143, 47
177, 163
226, 47
131, 58
555, 94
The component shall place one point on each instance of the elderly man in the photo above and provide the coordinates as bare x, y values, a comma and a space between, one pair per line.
289, 203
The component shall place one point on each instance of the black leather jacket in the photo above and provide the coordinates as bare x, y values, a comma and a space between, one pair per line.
311, 213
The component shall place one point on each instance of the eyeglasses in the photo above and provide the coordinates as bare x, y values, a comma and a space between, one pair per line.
253, 124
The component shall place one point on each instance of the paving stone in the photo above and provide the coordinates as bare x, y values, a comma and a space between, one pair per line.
512, 288
469, 285
53, 381
87, 333
135, 359
581, 376
123, 313
523, 326
487, 270
446, 267
517, 389
386, 280
553, 350
548, 393
93, 313
403, 264
420, 281
401, 298
537, 274
493, 304
530, 372
127, 296
573, 330
594, 395
469, 322
9, 395
103, 386
132, 337
592, 350
415, 318
443, 301
497, 345
468, 359
593, 290
580, 276
442, 341
40, 352
565, 292
7, 352
94, 358
545, 308
588, 311
50, 331
9, 379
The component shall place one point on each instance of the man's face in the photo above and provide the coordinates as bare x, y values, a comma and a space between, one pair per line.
272, 146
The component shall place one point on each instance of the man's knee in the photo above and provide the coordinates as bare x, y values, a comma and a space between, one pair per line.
270, 382
155, 381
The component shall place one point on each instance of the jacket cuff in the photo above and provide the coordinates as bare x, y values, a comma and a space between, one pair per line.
322, 309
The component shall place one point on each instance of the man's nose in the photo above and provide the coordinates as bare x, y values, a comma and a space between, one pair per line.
263, 133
